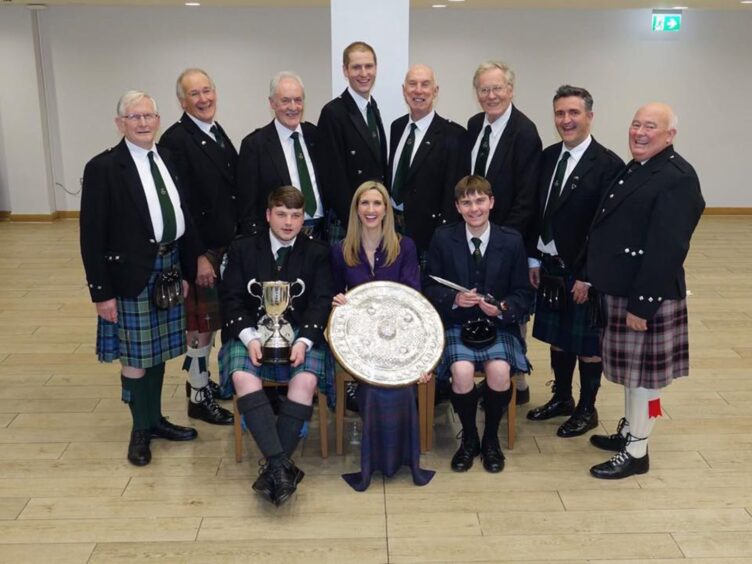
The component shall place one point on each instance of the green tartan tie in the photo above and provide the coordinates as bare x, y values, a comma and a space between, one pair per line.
168, 211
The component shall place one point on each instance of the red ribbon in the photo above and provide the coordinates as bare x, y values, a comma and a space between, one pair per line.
654, 408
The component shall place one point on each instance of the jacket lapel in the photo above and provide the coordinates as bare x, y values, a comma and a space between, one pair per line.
493, 267
132, 182
502, 148
357, 119
426, 145
276, 153
584, 166
207, 145
461, 254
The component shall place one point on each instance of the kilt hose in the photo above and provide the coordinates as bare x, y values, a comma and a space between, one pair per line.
507, 347
649, 359
144, 336
567, 329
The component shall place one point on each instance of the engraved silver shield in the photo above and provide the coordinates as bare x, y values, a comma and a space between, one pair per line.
387, 334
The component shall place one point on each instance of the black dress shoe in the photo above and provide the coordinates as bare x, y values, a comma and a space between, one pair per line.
582, 421
491, 455
614, 443
552, 408
621, 465
522, 397
351, 397
216, 391
139, 453
462, 460
283, 478
265, 485
166, 430
209, 410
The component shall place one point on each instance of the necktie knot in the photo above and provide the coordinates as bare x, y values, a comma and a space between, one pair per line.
218, 137
294, 135
282, 253
477, 255
483, 150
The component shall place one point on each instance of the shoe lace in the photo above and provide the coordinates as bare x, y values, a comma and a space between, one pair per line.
619, 458
263, 464
620, 426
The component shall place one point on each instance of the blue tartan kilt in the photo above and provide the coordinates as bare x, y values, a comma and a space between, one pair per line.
567, 329
233, 356
144, 336
507, 347
335, 229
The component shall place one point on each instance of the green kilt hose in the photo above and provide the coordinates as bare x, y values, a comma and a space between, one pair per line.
144, 336
568, 329
646, 359
507, 347
233, 356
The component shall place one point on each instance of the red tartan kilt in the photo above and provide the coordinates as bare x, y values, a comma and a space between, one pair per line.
650, 359
202, 309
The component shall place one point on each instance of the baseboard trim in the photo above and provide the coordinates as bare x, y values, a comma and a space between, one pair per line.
728, 211
38, 217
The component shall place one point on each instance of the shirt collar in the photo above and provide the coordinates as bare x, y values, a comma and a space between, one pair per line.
277, 244
284, 132
500, 123
359, 100
576, 152
138, 152
202, 125
423, 123
484, 237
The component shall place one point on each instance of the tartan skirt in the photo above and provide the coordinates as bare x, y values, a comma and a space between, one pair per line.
568, 329
649, 359
144, 336
202, 309
507, 347
233, 356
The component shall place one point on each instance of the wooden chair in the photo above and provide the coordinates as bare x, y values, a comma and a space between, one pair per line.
511, 417
426, 393
323, 422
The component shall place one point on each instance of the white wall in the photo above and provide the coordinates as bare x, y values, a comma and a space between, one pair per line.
24, 184
702, 71
97, 53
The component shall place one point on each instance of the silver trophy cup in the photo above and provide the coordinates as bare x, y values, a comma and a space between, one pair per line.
276, 332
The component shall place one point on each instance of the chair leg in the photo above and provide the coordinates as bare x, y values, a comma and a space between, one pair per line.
422, 395
238, 430
323, 425
340, 412
430, 412
512, 419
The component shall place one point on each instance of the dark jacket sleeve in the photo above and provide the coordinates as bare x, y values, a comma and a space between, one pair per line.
332, 169
93, 229
237, 308
320, 294
527, 153
520, 293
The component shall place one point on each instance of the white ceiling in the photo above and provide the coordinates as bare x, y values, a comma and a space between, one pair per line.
451, 5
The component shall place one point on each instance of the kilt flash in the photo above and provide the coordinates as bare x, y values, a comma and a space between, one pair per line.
233, 356
507, 348
567, 329
650, 359
144, 336
202, 309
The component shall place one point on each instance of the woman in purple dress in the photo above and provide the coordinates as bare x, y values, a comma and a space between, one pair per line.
372, 250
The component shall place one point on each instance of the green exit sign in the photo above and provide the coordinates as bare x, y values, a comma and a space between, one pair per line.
666, 20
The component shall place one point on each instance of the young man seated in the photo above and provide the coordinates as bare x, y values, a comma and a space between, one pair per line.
482, 324
277, 253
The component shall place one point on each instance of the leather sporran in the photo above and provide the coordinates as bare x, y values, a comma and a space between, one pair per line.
596, 313
168, 289
478, 334
553, 291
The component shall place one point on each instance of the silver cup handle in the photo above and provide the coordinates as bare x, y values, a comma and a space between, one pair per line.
300, 283
253, 282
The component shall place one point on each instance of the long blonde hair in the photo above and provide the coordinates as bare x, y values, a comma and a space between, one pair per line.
390, 240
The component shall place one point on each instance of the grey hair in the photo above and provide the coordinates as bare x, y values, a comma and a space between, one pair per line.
673, 120
491, 65
279, 77
180, 91
567, 91
133, 97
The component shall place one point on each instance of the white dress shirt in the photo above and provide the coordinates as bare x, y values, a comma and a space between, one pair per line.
421, 126
203, 126
497, 129
288, 148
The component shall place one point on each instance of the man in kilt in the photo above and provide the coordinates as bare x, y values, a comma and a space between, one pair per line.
277, 253
574, 174
637, 245
488, 260
207, 161
137, 244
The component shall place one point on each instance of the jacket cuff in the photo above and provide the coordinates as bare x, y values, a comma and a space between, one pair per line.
644, 306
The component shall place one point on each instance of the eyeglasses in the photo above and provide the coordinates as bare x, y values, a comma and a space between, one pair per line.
486, 90
135, 118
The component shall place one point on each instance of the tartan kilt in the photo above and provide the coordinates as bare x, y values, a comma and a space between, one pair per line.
233, 356
202, 309
649, 359
568, 329
144, 336
335, 229
507, 348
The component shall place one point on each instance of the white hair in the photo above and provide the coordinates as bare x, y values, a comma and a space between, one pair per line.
279, 77
133, 97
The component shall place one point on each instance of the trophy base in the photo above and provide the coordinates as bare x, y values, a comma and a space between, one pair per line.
276, 355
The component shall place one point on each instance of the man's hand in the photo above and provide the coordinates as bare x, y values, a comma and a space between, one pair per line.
636, 323
580, 292
534, 275
186, 288
467, 299
425, 378
297, 355
205, 276
488, 309
254, 352
107, 310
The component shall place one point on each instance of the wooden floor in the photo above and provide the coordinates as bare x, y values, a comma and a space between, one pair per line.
68, 494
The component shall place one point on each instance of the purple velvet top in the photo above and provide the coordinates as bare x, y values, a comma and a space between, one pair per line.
404, 269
